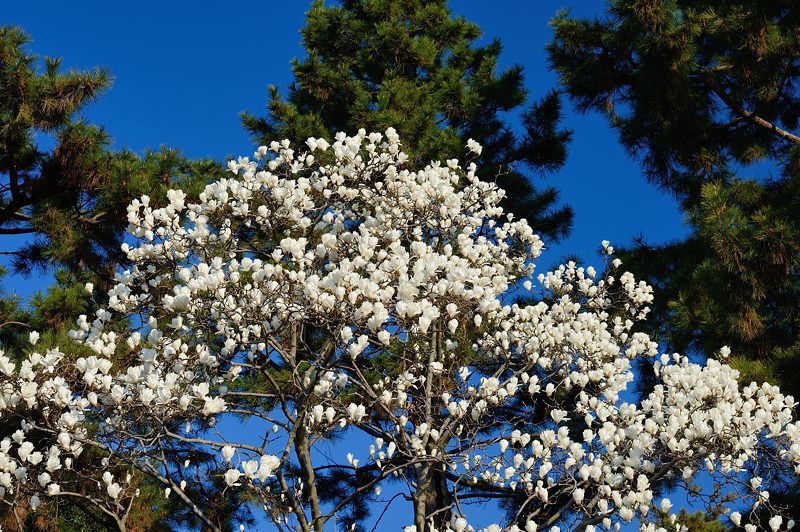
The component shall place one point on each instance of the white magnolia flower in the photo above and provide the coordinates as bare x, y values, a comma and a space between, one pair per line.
232, 477
113, 490
227, 453
474, 147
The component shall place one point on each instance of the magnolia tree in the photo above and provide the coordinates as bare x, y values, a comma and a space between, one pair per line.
332, 292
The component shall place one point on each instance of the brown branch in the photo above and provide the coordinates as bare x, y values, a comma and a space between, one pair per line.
97, 218
147, 470
749, 115
18, 323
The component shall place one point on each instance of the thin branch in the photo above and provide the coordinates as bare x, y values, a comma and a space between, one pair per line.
385, 509
749, 115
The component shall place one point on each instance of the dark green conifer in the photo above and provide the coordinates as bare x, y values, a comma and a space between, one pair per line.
412, 65
61, 185
705, 95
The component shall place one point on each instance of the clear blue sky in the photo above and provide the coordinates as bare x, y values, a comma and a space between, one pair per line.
183, 71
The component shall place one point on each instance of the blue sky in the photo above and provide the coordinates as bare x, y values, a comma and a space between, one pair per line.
183, 71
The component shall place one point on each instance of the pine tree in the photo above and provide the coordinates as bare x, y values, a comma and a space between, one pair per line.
412, 65
694, 88
698, 91
69, 201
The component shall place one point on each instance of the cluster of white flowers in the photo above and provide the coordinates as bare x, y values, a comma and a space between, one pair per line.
331, 288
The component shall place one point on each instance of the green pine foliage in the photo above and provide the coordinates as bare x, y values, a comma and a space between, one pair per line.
705, 95
63, 191
69, 201
694, 88
412, 65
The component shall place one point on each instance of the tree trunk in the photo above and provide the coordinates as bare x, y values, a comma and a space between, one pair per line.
309, 479
432, 502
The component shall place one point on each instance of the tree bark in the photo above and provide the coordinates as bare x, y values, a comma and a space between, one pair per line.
309, 478
432, 501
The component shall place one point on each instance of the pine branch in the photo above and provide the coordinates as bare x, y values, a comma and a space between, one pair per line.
749, 115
